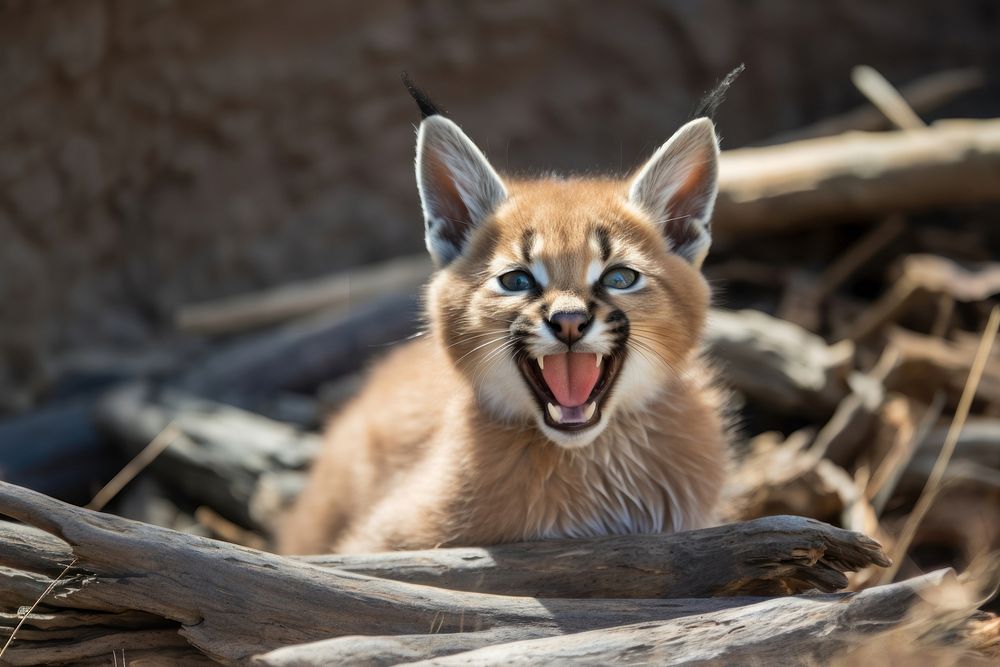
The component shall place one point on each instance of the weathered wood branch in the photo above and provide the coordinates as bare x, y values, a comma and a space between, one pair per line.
856, 175
804, 630
205, 586
95, 647
940, 275
777, 363
351, 288
927, 363
302, 355
25, 547
776, 555
798, 631
769, 556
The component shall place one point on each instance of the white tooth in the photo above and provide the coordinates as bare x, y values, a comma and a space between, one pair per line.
541, 362
555, 412
600, 358
591, 409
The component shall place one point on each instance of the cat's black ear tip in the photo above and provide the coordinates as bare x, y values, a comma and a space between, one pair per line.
713, 98
424, 103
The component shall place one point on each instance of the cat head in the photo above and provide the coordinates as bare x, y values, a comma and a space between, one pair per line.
565, 300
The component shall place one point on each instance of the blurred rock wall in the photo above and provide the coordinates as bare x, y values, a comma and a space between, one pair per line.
157, 152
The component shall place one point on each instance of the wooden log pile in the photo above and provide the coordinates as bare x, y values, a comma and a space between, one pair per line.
152, 583
855, 273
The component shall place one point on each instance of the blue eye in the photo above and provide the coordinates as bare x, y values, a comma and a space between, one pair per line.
619, 278
517, 281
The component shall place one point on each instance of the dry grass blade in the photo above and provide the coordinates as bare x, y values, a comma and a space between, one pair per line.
936, 274
52, 585
936, 477
148, 454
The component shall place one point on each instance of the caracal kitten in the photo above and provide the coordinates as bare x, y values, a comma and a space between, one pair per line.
558, 390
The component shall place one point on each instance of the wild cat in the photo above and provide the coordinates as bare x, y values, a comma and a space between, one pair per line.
558, 390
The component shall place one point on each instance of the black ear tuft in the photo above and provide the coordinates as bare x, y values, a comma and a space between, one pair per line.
713, 98
426, 106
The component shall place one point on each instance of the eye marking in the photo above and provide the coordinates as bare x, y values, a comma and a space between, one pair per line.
541, 275
517, 281
604, 240
621, 278
594, 270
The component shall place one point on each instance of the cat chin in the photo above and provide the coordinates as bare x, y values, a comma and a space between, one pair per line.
573, 439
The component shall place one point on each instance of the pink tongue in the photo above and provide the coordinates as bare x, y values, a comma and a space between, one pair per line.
571, 376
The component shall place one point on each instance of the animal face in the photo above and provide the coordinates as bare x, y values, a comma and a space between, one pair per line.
566, 300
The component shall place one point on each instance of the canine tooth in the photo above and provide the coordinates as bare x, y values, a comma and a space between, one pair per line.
591, 409
555, 412
541, 362
600, 358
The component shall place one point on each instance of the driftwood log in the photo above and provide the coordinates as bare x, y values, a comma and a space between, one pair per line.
349, 289
800, 631
806, 630
778, 363
201, 588
777, 555
302, 355
856, 175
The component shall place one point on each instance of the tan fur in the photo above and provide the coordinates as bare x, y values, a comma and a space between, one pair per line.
429, 454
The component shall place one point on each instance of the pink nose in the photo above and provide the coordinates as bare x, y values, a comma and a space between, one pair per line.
569, 327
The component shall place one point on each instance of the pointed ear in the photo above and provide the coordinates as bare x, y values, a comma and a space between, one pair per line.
677, 186
458, 187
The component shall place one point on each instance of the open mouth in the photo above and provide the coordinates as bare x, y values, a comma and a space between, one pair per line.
571, 386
